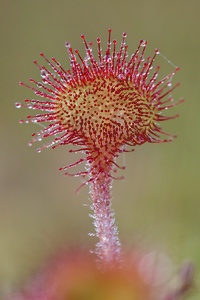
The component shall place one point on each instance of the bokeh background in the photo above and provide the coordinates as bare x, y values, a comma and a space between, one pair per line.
157, 205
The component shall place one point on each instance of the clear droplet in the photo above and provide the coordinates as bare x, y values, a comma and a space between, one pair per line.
91, 234
143, 43
109, 60
18, 105
121, 76
126, 71
39, 85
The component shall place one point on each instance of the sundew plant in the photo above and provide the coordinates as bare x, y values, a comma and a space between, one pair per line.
102, 106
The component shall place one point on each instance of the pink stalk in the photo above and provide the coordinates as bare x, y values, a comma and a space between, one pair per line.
108, 247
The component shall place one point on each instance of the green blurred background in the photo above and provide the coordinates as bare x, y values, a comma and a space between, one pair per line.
157, 205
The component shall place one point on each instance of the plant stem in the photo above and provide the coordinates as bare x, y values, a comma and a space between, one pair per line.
108, 248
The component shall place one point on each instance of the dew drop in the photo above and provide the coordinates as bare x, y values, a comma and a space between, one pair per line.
38, 150
43, 74
67, 44
21, 121
30, 144
18, 105
121, 76
143, 43
91, 234
126, 71
39, 85
108, 60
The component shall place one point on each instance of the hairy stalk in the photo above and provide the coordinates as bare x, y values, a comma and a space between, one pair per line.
108, 247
